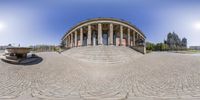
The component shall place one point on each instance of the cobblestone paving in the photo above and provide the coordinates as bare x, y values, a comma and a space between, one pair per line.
59, 76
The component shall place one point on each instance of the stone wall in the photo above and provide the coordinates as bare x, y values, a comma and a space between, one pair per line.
141, 49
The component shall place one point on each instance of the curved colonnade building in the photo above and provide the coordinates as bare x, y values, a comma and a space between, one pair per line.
105, 31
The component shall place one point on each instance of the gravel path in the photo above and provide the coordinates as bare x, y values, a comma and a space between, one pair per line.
59, 76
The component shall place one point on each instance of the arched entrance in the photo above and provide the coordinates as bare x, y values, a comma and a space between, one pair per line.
94, 38
114, 38
105, 37
84, 39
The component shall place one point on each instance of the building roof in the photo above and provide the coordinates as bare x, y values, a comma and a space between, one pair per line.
109, 19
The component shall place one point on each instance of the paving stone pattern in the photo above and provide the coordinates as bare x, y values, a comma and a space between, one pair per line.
119, 73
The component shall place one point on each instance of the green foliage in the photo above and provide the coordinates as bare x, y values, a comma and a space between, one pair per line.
150, 46
173, 42
62, 45
44, 48
164, 47
157, 47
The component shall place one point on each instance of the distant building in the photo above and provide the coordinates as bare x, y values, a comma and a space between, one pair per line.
195, 47
174, 42
3, 47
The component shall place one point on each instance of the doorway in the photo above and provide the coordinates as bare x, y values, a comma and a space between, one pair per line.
94, 38
105, 38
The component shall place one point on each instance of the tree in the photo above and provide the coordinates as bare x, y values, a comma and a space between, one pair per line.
164, 47
62, 44
9, 45
161, 47
150, 46
184, 42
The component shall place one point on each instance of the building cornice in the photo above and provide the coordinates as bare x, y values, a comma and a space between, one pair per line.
102, 20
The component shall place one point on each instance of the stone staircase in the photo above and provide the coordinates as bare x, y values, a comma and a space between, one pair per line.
103, 54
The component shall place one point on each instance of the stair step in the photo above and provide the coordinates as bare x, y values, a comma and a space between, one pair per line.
103, 54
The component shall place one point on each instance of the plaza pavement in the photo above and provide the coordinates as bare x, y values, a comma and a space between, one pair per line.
73, 76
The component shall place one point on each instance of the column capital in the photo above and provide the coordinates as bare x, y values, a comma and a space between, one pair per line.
129, 30
81, 28
121, 26
75, 31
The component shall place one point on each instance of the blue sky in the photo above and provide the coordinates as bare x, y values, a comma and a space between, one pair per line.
31, 22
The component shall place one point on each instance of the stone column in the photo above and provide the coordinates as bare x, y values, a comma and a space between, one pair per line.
75, 38
134, 38
121, 34
81, 36
66, 41
129, 39
111, 34
100, 34
71, 39
89, 35
145, 47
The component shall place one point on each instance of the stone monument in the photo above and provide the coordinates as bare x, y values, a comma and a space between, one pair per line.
18, 55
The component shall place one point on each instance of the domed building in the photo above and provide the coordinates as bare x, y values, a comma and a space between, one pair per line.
105, 31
